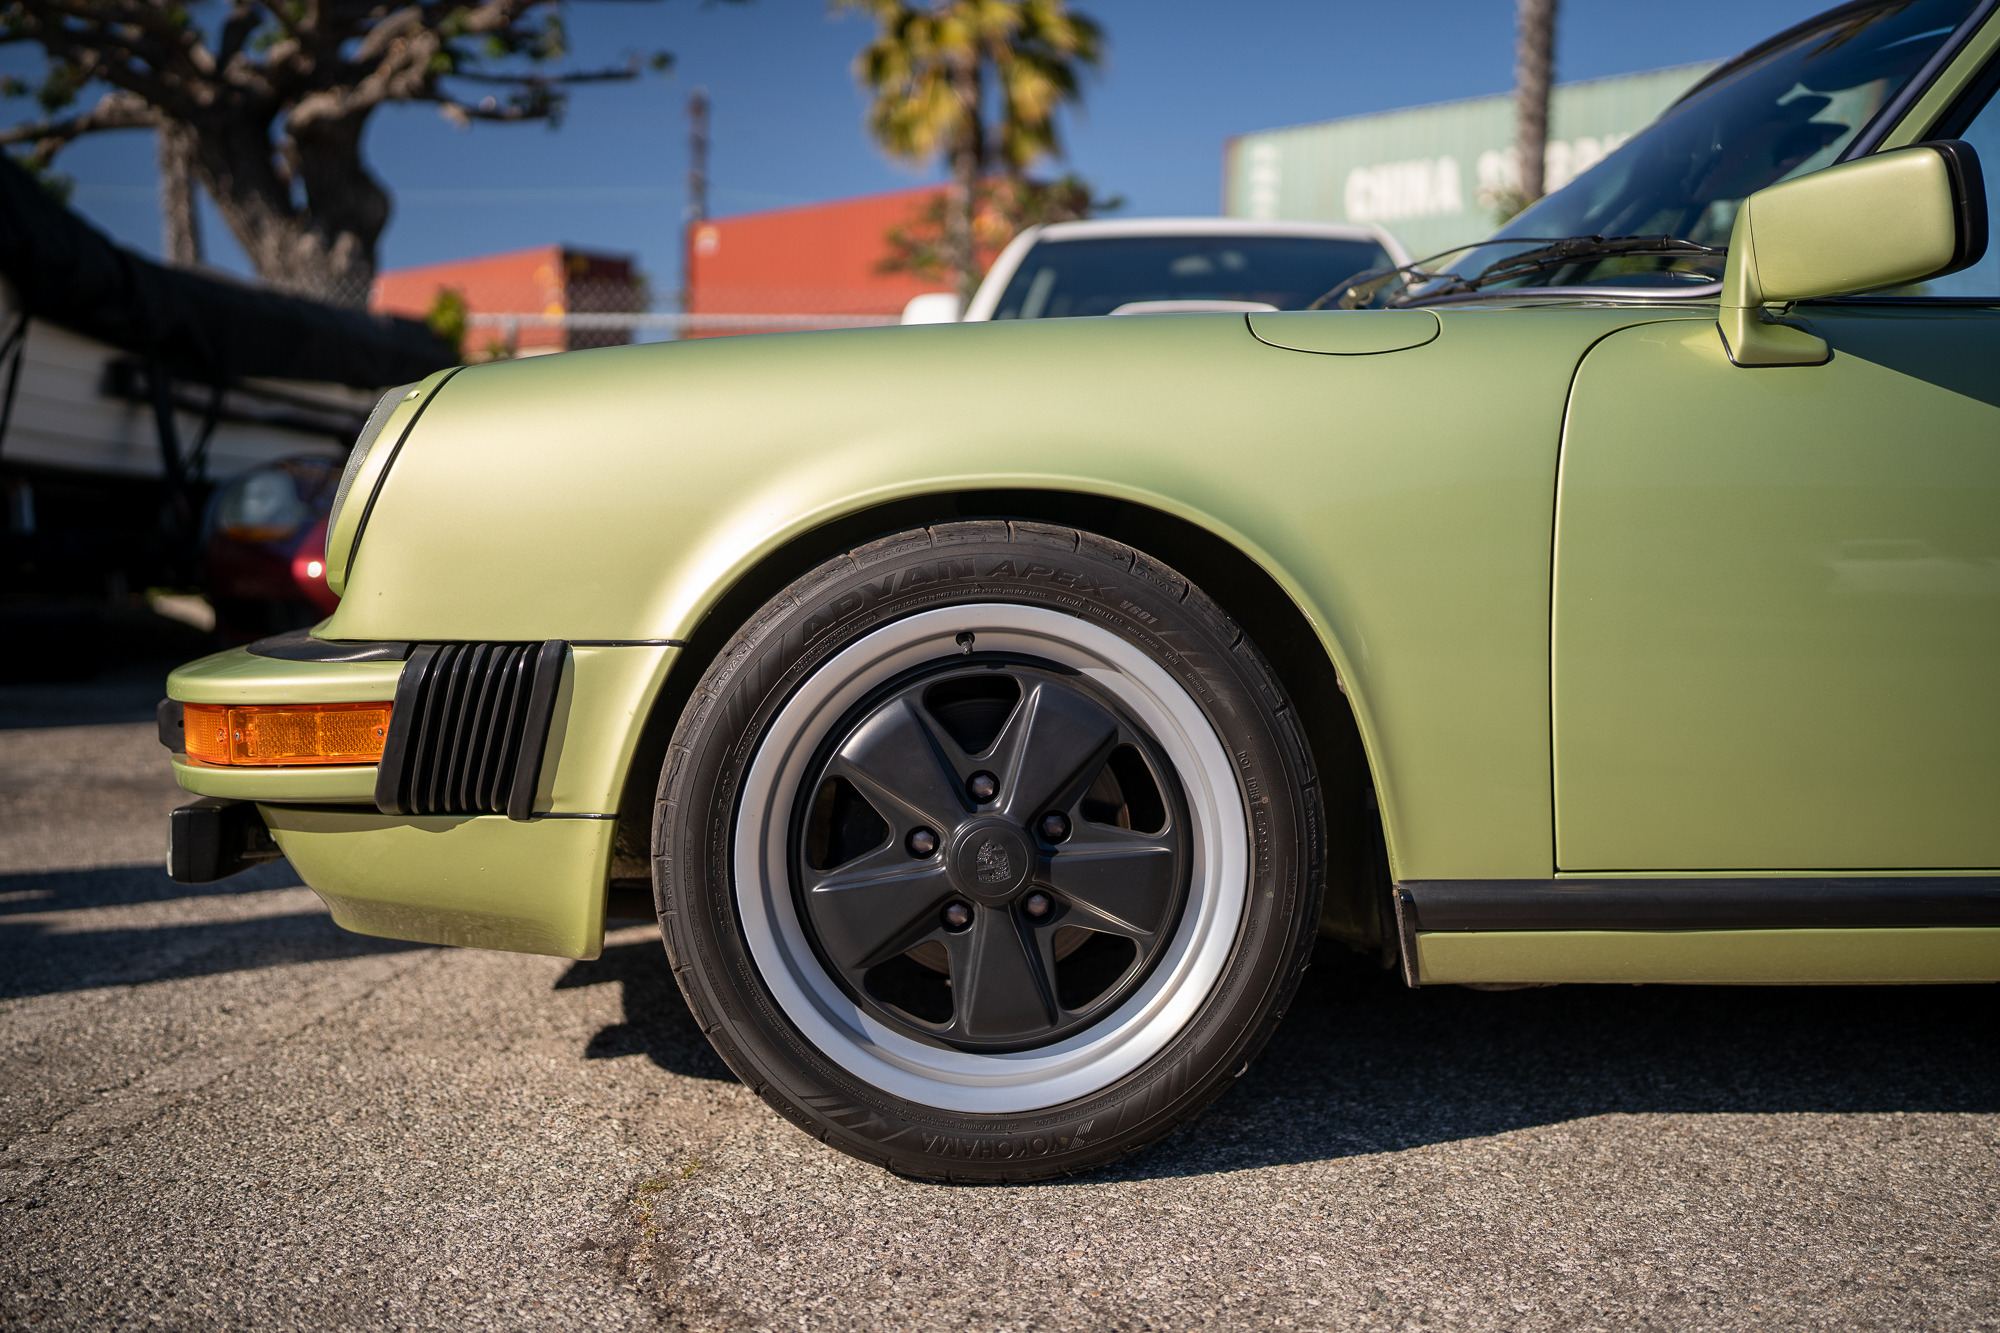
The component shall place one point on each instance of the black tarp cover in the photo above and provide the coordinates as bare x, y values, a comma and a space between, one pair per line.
67, 272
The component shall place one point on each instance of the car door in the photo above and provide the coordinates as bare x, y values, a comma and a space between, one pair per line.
1777, 600
1776, 633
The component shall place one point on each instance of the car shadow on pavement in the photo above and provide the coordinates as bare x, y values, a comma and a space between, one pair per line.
1362, 1064
658, 1024
43, 956
121, 886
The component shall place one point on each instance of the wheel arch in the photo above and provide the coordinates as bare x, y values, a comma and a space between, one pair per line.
1357, 865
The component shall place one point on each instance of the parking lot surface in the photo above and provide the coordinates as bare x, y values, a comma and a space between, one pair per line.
218, 1110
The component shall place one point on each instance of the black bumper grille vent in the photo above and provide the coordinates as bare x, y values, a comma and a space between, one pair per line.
470, 725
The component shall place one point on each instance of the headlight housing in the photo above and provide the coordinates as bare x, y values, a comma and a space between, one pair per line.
364, 442
373, 448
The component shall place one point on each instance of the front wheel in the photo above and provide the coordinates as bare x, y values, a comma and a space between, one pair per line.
988, 851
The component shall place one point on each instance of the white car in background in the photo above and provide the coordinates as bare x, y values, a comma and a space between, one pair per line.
1145, 266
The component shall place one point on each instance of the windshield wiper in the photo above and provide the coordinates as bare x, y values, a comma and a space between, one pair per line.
1359, 290
1570, 250
1555, 251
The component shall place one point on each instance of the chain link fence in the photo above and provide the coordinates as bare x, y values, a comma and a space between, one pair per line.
608, 313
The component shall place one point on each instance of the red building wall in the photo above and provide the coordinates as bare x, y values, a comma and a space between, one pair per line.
545, 279
819, 259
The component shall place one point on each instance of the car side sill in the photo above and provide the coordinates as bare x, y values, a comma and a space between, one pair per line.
1777, 930
1809, 956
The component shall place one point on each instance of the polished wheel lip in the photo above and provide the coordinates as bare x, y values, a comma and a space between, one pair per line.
990, 1082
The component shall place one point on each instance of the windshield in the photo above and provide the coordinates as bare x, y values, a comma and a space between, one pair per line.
1791, 110
1095, 277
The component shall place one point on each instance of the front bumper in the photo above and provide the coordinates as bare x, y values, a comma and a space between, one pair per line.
533, 886
484, 881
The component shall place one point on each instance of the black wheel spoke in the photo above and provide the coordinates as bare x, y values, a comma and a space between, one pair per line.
1124, 882
874, 908
1053, 746
999, 990
895, 760
987, 855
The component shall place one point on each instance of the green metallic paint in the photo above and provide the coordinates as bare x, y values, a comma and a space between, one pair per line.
239, 676
354, 509
1796, 241
306, 785
1801, 957
606, 695
1375, 332
485, 882
619, 493
1778, 601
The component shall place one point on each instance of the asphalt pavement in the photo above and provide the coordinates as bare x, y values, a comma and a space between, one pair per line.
220, 1111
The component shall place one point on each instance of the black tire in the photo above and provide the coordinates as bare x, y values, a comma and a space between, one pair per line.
732, 737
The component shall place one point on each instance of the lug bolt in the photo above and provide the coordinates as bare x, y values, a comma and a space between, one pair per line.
1054, 826
1037, 904
921, 842
983, 786
957, 916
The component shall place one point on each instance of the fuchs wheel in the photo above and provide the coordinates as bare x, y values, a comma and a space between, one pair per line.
988, 851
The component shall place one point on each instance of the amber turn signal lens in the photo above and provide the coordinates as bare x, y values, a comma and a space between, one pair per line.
271, 734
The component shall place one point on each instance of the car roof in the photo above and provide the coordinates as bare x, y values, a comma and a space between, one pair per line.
987, 298
1104, 228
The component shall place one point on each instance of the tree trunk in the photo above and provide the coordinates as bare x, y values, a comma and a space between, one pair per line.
968, 159
180, 224
324, 251
1534, 68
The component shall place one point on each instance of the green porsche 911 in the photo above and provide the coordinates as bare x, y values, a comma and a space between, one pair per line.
995, 713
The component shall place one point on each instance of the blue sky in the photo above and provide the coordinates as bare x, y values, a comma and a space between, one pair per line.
1183, 75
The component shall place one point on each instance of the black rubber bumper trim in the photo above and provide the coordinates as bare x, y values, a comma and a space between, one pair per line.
172, 720
300, 646
535, 730
212, 839
435, 725
1406, 935
1697, 904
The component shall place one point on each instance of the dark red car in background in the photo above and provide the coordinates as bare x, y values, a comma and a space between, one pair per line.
263, 543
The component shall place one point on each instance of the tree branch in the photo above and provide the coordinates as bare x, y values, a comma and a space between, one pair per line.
610, 75
157, 72
116, 111
118, 13
489, 108
236, 30
495, 16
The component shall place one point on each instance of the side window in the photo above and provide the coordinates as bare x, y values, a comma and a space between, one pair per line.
1983, 133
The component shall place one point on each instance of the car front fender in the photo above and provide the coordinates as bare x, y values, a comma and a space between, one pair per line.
1403, 500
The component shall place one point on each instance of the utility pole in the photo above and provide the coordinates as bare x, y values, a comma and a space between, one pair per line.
697, 188
1534, 69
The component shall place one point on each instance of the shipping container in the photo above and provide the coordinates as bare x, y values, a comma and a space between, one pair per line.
1439, 175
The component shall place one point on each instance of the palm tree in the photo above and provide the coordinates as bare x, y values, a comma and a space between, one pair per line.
929, 69
1534, 67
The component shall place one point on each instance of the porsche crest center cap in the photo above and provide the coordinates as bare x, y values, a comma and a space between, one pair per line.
991, 860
